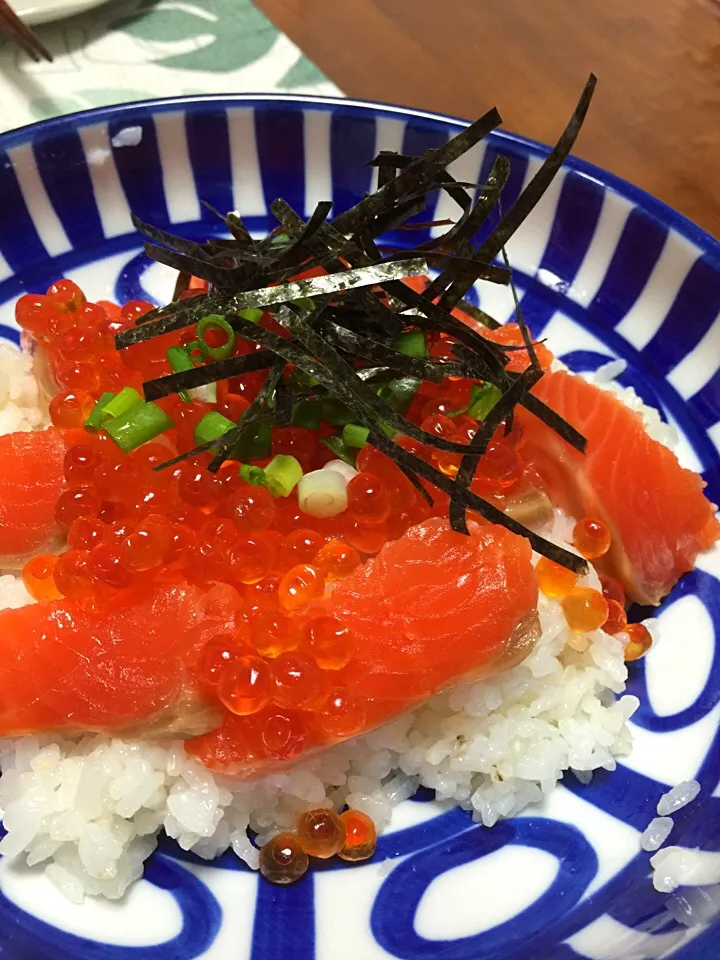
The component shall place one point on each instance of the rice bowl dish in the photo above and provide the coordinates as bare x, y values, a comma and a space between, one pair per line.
86, 806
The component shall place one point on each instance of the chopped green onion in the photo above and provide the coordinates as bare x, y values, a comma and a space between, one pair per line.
196, 352
282, 475
252, 474
354, 435
255, 441
305, 303
253, 314
216, 322
483, 398
97, 415
212, 426
179, 360
123, 402
411, 344
336, 413
132, 429
302, 381
399, 393
307, 413
340, 449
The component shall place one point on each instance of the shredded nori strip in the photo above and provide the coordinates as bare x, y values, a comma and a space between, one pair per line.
341, 325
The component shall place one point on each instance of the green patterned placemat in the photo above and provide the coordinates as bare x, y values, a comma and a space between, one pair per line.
132, 49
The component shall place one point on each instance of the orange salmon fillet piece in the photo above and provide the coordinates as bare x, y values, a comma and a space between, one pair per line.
657, 512
432, 609
31, 480
125, 669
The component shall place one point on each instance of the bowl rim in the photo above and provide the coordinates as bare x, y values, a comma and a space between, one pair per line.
656, 208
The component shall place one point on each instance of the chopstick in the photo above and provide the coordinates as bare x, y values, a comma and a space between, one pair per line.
12, 26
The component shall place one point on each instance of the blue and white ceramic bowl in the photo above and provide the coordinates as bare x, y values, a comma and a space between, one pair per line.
604, 271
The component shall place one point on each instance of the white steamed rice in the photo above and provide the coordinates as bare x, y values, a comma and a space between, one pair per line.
90, 809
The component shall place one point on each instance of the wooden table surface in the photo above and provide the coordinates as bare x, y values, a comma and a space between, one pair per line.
655, 119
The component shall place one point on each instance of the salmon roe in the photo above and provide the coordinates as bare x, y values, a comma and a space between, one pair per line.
639, 643
613, 590
297, 680
274, 633
284, 734
39, 577
341, 714
72, 577
554, 580
244, 685
218, 654
283, 860
616, 619
300, 586
585, 609
591, 538
360, 836
368, 499
321, 833
70, 409
336, 560
330, 642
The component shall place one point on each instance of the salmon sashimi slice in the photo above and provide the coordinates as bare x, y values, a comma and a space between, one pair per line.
655, 508
31, 480
126, 669
432, 609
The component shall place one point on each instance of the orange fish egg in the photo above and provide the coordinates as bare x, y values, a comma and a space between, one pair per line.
282, 859
365, 538
591, 538
66, 295
321, 833
639, 643
616, 619
360, 836
39, 577
33, 313
297, 681
273, 633
252, 509
217, 655
299, 547
72, 504
244, 686
301, 585
105, 564
330, 642
613, 590
585, 609
284, 734
147, 546
500, 468
252, 557
368, 499
71, 409
72, 577
336, 560
554, 580
80, 463
85, 532
341, 714
73, 375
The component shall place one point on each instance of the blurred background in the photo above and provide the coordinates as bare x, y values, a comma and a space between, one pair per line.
655, 119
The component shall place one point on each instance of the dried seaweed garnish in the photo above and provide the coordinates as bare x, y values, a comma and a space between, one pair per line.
341, 332
501, 411
312, 287
207, 373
